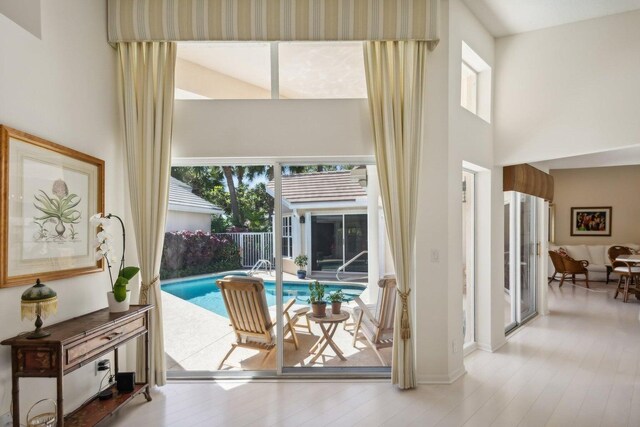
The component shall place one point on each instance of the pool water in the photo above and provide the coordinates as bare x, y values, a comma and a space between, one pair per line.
204, 292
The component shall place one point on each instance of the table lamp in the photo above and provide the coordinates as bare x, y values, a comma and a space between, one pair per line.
38, 302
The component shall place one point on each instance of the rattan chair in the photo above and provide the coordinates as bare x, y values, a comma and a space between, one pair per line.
627, 272
376, 321
556, 260
246, 303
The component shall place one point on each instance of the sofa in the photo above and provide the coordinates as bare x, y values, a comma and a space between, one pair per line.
597, 255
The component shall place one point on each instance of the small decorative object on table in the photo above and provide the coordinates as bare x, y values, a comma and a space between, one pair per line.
38, 302
316, 298
301, 261
336, 299
119, 297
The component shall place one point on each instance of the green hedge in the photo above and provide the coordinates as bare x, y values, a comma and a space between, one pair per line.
188, 253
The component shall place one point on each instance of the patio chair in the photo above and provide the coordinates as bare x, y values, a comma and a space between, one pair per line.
376, 321
627, 272
246, 303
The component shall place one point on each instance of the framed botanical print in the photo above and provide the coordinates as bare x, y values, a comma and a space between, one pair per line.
591, 221
47, 195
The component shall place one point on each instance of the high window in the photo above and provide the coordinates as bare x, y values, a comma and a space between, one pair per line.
475, 84
292, 70
469, 88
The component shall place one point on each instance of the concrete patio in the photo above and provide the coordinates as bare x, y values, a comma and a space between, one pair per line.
197, 339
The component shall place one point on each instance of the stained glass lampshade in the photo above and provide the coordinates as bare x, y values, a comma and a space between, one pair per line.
38, 302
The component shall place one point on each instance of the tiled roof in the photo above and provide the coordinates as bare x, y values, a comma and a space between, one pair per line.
180, 196
334, 186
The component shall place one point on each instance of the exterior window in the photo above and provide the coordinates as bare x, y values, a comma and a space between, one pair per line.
318, 70
223, 71
270, 70
287, 237
469, 89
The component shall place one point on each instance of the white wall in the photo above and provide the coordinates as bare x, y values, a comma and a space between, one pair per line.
192, 221
271, 128
61, 87
568, 90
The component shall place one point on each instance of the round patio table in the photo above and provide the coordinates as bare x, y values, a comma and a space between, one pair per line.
328, 325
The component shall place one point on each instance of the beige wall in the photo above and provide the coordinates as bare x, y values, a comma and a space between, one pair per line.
611, 186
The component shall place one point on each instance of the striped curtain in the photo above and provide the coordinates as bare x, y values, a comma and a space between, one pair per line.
272, 20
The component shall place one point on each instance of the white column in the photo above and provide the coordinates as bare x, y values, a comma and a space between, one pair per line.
307, 239
373, 226
296, 237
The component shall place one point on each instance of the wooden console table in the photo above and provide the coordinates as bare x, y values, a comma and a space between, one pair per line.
75, 343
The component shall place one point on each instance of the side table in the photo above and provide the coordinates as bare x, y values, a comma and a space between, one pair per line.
328, 325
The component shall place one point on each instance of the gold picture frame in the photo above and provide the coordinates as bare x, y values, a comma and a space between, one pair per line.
48, 192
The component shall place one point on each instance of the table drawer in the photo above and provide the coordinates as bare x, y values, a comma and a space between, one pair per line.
87, 348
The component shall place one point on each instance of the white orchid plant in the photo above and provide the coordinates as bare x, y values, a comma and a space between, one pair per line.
104, 249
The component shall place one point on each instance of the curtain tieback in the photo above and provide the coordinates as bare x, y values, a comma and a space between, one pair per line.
144, 289
405, 326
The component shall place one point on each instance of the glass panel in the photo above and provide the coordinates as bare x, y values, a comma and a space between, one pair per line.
326, 242
528, 258
223, 70
329, 208
219, 223
315, 70
469, 88
356, 243
468, 253
509, 306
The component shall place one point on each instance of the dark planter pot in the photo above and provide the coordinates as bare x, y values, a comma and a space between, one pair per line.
335, 307
302, 274
319, 309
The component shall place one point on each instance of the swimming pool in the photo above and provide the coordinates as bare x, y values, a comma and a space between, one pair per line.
204, 292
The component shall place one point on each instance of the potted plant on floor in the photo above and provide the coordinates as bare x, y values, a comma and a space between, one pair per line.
336, 299
316, 298
301, 261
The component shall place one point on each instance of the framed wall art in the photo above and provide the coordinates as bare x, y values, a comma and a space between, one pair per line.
47, 195
591, 221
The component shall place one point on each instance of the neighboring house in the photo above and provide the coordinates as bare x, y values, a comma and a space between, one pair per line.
188, 211
325, 215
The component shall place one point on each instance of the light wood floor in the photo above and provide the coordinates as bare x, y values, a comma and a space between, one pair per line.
578, 367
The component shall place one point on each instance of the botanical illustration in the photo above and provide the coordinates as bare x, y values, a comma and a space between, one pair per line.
57, 214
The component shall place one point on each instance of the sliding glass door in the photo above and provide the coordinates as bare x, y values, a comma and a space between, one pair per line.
521, 258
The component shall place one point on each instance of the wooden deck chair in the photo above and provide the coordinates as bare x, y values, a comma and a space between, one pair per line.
246, 303
376, 321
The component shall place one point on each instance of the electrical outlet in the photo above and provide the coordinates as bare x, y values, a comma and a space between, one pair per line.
435, 255
454, 346
101, 365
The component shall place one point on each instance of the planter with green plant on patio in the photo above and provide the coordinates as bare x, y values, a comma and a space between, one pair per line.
316, 298
301, 261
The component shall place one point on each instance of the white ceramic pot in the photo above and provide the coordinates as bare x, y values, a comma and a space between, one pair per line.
118, 307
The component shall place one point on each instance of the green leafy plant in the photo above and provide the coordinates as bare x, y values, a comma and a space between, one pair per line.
301, 261
316, 292
336, 296
60, 207
105, 250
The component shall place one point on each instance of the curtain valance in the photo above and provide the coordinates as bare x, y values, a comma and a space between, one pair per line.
272, 20
526, 179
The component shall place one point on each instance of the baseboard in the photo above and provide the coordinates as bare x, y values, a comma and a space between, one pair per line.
491, 349
442, 379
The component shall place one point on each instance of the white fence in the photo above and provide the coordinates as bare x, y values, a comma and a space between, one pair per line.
253, 246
